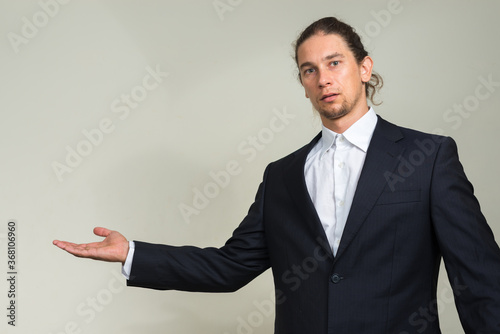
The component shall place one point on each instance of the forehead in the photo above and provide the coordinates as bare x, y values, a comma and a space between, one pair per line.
321, 45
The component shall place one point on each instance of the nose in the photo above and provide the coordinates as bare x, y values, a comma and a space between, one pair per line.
324, 78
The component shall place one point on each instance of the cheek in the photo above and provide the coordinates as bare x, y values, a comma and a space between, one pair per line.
308, 90
350, 82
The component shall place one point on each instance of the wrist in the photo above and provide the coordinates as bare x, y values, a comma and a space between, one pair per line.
126, 248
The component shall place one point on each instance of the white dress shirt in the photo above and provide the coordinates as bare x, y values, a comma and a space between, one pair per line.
332, 172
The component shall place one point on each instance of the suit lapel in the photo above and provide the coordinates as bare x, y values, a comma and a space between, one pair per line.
381, 157
297, 188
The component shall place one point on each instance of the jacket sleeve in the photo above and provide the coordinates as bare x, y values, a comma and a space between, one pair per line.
470, 253
188, 268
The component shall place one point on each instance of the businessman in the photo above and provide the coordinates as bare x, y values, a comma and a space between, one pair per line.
354, 224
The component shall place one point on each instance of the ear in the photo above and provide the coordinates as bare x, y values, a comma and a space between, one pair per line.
365, 69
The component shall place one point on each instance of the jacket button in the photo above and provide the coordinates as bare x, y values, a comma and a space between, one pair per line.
336, 278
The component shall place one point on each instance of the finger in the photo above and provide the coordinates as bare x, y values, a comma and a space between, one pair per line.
101, 231
60, 244
69, 247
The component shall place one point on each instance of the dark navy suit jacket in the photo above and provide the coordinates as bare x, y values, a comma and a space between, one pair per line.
413, 206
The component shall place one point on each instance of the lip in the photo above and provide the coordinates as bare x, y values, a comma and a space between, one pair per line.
329, 97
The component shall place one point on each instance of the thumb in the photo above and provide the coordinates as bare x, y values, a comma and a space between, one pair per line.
101, 231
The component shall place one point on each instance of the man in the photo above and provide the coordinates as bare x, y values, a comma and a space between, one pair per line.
353, 225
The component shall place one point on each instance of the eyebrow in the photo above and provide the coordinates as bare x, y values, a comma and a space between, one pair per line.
333, 55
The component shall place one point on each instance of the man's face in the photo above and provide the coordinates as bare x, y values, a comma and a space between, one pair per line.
331, 76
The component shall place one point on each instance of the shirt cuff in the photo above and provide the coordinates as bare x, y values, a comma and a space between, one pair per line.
127, 266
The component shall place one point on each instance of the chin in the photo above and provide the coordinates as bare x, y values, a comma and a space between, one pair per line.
334, 114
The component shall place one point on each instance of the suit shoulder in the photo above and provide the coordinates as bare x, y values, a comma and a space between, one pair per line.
408, 133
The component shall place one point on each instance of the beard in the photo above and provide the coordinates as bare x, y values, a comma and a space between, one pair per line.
335, 112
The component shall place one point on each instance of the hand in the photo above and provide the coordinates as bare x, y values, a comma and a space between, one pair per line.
114, 248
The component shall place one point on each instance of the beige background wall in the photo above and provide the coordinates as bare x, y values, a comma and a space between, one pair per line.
224, 75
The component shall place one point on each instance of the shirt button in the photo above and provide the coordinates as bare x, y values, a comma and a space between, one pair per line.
341, 165
336, 278
341, 139
341, 203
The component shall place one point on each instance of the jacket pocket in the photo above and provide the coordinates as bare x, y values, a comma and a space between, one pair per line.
402, 196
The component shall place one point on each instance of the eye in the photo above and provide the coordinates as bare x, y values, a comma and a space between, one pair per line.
309, 71
334, 63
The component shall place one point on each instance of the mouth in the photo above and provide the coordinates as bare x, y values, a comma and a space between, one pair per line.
329, 97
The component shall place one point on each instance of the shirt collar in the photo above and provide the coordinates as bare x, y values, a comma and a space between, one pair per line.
359, 134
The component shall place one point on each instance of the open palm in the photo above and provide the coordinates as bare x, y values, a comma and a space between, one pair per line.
114, 247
